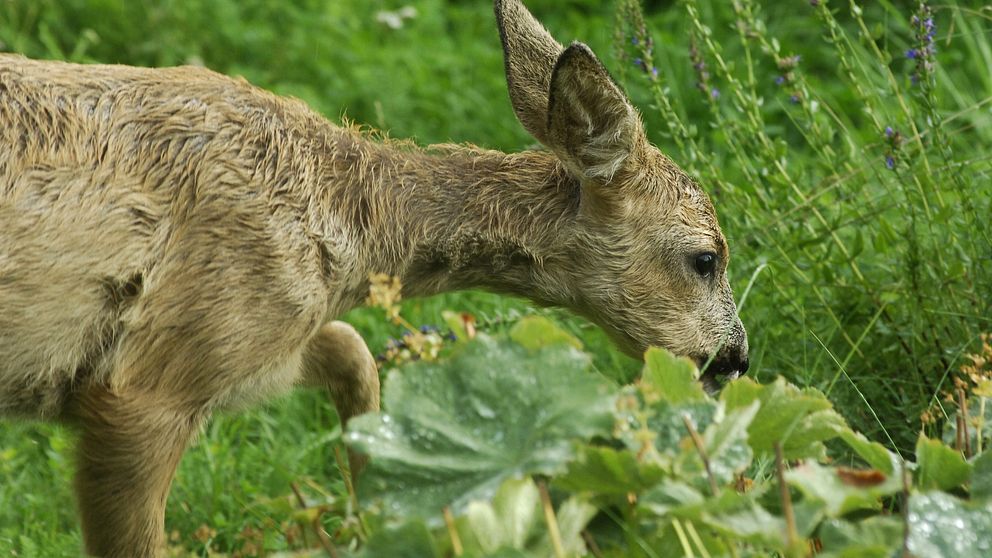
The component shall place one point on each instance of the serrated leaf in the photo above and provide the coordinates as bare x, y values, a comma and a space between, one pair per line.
535, 332
670, 378
839, 496
873, 453
454, 431
981, 477
800, 419
726, 446
941, 526
938, 466
604, 470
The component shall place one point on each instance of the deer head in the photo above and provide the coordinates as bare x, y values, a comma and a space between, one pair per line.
648, 257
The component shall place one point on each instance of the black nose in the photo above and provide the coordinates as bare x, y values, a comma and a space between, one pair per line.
728, 363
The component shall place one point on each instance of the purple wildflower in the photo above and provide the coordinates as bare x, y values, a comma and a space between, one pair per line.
779, 80
924, 52
890, 162
702, 75
889, 132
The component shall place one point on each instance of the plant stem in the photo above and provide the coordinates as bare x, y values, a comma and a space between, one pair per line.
549, 517
698, 442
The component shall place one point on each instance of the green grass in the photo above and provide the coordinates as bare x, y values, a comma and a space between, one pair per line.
869, 283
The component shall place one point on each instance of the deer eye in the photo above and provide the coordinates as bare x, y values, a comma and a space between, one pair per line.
705, 263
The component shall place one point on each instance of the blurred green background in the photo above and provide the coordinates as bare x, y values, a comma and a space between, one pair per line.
868, 282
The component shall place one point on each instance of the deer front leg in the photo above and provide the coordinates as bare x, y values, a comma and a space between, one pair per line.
338, 359
130, 446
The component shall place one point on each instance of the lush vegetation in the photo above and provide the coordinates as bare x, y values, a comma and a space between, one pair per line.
845, 147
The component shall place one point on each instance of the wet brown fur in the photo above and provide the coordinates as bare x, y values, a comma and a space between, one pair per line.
174, 241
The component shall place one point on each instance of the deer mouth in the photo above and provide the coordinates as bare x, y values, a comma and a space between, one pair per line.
720, 371
713, 382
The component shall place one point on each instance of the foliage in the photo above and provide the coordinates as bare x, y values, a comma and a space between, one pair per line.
840, 151
679, 473
868, 283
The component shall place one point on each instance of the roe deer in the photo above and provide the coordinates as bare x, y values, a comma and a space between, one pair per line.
174, 242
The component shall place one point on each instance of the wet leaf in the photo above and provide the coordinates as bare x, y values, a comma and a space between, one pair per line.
941, 526
454, 431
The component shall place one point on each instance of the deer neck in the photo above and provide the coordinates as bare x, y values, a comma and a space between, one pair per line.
453, 217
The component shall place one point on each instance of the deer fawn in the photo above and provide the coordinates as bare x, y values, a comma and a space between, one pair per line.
174, 242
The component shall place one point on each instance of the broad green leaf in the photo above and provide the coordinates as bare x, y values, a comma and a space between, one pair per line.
938, 466
454, 431
941, 526
411, 539
573, 515
874, 537
507, 521
800, 419
535, 332
660, 422
603, 470
981, 477
839, 493
514, 522
670, 378
873, 453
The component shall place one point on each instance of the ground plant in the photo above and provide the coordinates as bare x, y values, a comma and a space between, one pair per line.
845, 145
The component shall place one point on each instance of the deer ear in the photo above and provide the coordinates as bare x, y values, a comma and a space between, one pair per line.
529, 54
591, 124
